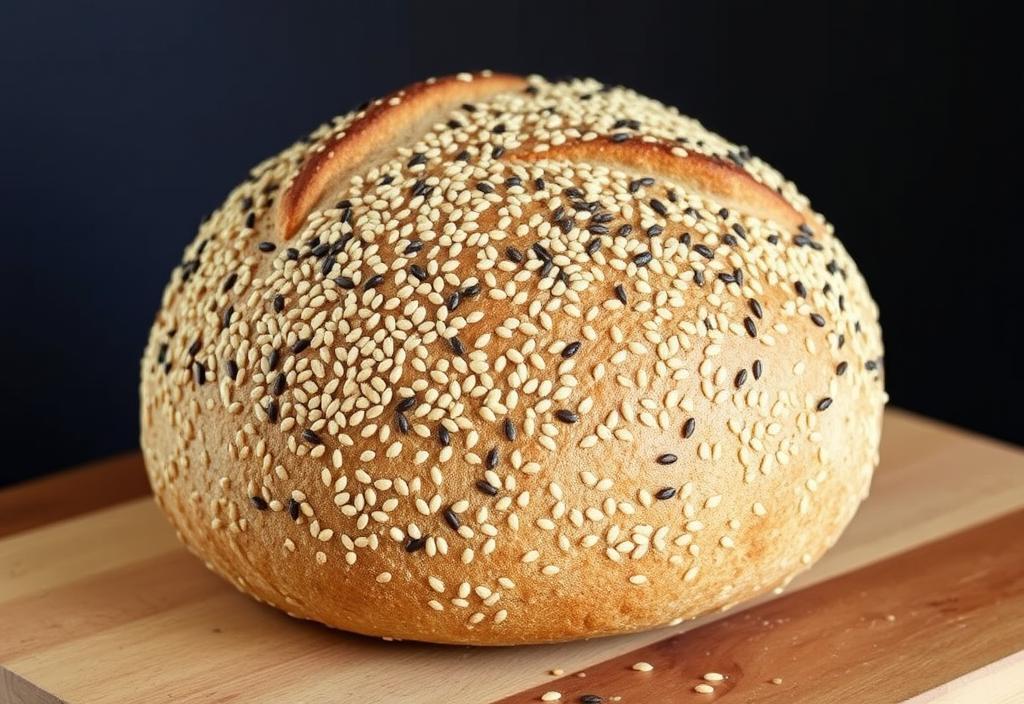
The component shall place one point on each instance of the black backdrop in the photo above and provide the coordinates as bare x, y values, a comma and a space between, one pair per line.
120, 125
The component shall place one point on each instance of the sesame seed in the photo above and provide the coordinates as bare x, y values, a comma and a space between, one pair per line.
620, 293
665, 494
643, 666
818, 320
689, 426
667, 458
824, 403
486, 488
571, 349
311, 437
259, 502
566, 416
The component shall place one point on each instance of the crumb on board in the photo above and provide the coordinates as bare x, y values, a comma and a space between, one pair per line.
643, 666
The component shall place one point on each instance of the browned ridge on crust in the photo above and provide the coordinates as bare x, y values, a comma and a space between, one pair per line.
499, 360
384, 124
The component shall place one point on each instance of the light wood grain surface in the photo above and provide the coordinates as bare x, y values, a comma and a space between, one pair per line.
107, 607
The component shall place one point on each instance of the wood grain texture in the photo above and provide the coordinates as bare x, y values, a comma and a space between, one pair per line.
882, 633
107, 606
72, 492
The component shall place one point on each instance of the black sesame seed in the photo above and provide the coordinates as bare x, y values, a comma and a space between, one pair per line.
658, 207
738, 229
871, 365
571, 349
758, 369
278, 303
199, 373
818, 320
457, 346
272, 359
620, 137
566, 416
824, 403
300, 345
591, 699
443, 436
698, 277
730, 240
453, 301
625, 231
345, 282
751, 328
226, 319
514, 254
418, 271
801, 290
194, 348
486, 488
485, 187
259, 502
413, 247
593, 245
541, 252
229, 282
452, 518
231, 369
667, 458
373, 282
293, 509
418, 159
755, 308
513, 181
741, 378
278, 388
462, 156
704, 251
726, 278
666, 493
267, 246
272, 410
689, 426
655, 230
620, 293
491, 460
841, 368
311, 437
405, 404
470, 291
402, 421
161, 355
643, 259
510, 430
415, 544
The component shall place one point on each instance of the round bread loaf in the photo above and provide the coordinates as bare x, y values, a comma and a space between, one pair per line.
497, 360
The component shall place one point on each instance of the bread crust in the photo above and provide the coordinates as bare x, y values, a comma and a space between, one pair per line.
273, 422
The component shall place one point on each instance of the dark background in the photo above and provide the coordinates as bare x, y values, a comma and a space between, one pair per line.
120, 126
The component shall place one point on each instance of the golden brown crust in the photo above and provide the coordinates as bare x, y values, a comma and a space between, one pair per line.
514, 260
375, 131
698, 173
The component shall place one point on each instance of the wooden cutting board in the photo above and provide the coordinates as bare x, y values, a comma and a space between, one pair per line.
922, 598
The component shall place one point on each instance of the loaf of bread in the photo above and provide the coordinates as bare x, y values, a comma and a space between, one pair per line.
498, 360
